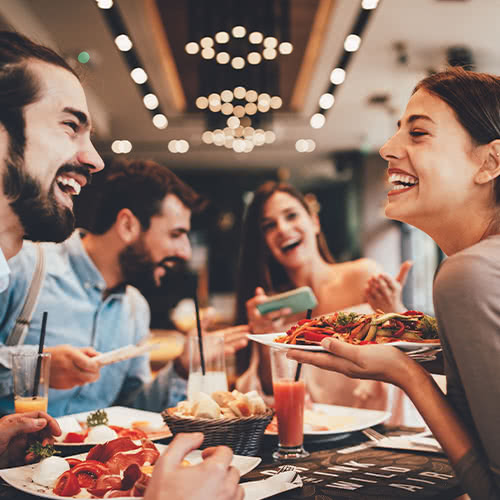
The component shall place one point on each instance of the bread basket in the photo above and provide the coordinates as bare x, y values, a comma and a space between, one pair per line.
242, 434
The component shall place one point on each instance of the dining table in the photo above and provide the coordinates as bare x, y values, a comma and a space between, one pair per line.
365, 472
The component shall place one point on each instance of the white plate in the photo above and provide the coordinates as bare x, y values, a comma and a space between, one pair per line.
20, 477
268, 339
123, 417
343, 419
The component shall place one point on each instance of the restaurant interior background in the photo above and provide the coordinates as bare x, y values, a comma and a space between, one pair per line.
324, 83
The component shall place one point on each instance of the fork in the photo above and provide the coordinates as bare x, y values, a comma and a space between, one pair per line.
289, 468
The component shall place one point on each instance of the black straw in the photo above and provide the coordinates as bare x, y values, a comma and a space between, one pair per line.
200, 340
40, 351
299, 365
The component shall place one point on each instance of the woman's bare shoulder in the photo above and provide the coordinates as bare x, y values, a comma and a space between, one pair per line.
359, 268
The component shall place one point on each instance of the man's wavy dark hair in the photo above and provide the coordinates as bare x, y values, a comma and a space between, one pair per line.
19, 87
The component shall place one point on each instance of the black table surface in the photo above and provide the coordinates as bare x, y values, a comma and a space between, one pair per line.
371, 474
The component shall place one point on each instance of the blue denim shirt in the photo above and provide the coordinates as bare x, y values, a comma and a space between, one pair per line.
78, 315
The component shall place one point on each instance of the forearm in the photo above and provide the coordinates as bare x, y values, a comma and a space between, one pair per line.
441, 418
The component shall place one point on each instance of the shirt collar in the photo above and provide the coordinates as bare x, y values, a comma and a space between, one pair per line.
82, 264
4, 272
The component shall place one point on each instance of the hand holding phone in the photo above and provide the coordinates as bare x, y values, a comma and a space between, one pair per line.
297, 300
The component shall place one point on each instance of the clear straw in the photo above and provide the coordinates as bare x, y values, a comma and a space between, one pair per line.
299, 365
40, 351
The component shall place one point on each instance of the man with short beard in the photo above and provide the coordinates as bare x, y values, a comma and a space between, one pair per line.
144, 217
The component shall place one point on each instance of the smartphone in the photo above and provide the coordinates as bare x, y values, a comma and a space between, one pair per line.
297, 300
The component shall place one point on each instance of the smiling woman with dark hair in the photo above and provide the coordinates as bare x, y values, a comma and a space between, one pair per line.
447, 147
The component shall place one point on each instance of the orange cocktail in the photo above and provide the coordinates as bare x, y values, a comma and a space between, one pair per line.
289, 397
26, 404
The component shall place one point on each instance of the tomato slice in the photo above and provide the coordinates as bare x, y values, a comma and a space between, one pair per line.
67, 485
74, 437
73, 461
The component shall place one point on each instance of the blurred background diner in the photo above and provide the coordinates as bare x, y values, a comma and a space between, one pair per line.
230, 95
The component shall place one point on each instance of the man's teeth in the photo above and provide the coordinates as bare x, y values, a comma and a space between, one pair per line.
69, 181
401, 181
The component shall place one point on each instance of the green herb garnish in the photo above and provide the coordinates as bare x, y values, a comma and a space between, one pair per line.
429, 327
42, 451
99, 417
347, 318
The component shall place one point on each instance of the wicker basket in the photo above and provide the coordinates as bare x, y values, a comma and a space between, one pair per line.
243, 434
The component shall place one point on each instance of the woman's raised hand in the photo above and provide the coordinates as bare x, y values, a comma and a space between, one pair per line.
264, 323
385, 292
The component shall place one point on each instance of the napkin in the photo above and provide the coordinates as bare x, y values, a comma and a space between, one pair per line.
411, 443
284, 481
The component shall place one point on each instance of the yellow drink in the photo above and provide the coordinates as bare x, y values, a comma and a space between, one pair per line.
26, 404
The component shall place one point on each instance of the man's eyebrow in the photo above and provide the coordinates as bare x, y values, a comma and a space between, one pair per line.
79, 115
412, 118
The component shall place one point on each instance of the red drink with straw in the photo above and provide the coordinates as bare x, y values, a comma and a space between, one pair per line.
289, 397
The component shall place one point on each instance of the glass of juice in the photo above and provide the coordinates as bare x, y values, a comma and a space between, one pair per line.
215, 378
31, 374
289, 398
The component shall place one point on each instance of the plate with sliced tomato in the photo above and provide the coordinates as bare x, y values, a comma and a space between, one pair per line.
124, 422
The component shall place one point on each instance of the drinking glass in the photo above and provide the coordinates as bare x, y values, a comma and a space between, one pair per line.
29, 395
215, 378
289, 399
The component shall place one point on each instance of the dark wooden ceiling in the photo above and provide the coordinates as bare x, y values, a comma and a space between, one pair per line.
187, 21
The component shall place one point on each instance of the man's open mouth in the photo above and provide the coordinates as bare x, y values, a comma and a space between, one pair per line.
69, 185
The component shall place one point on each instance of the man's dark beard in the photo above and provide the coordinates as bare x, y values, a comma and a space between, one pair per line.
42, 217
138, 266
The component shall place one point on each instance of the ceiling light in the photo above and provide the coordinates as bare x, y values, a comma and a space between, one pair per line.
263, 107
150, 101
228, 132
269, 136
352, 43
276, 102
139, 76
254, 58
270, 42
202, 102
104, 4
215, 107
192, 48
227, 108
160, 121
222, 57
250, 108
265, 99
214, 99
233, 122
248, 132
228, 142
239, 111
251, 96
256, 37
208, 53
239, 31
337, 76
207, 137
172, 146
269, 53
123, 43
317, 120
239, 145
301, 146
126, 147
206, 42
182, 146
326, 101
240, 92
219, 137
369, 4
238, 62
259, 138
311, 145
222, 37
116, 147
226, 95
285, 48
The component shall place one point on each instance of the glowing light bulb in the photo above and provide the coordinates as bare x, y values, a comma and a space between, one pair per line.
238, 62
352, 43
269, 53
206, 42
222, 37
240, 92
207, 137
255, 37
276, 102
123, 43
160, 121
337, 76
254, 58
301, 145
239, 31
226, 95
369, 4
317, 120
202, 102
326, 101
222, 57
270, 42
285, 48
208, 53
251, 96
150, 101
139, 76
192, 48
104, 4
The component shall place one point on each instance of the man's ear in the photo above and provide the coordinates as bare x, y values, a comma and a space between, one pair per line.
127, 226
490, 169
